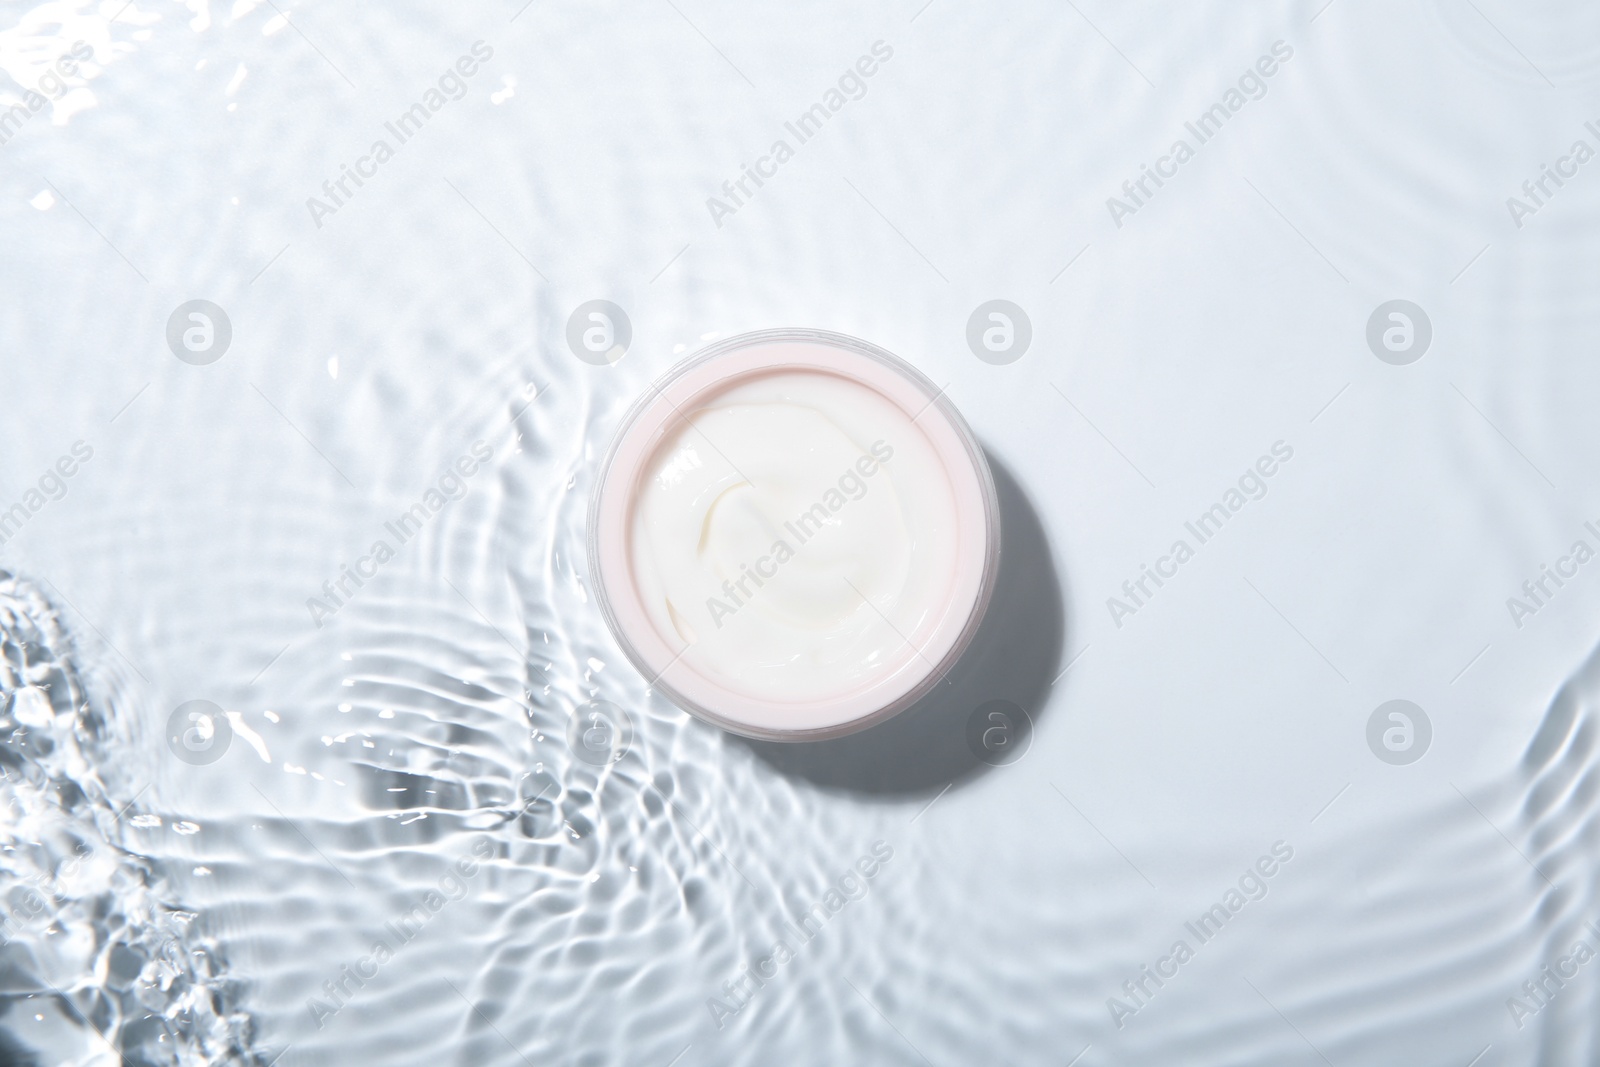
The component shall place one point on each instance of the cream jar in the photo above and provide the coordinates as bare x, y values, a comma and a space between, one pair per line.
794, 535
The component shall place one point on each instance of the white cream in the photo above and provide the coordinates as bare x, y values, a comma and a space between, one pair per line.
796, 532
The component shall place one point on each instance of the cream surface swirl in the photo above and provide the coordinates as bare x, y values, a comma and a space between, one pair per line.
796, 532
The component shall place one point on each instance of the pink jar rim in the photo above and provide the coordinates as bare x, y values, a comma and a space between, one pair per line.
927, 656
